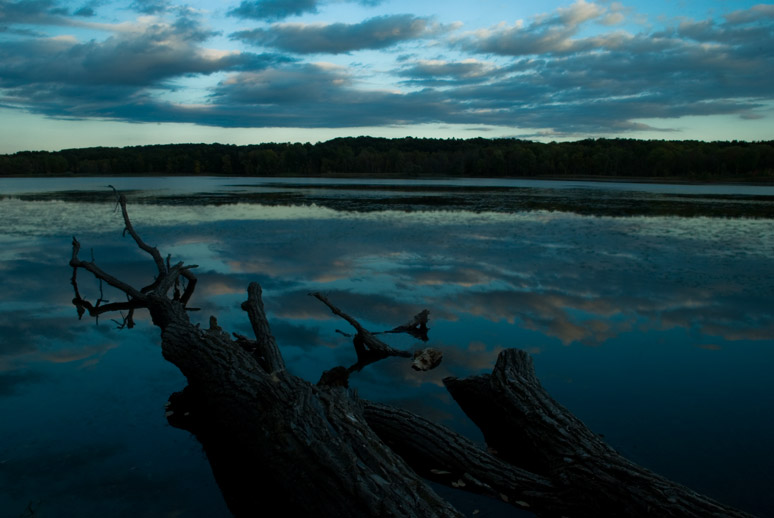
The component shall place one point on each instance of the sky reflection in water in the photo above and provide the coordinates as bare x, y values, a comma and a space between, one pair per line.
655, 329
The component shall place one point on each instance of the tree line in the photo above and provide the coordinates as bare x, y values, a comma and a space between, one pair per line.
408, 157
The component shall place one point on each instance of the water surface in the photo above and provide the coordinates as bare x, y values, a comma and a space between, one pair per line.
647, 309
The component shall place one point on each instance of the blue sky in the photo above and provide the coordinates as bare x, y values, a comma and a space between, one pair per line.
76, 73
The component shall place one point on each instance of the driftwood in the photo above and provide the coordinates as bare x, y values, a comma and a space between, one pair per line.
277, 441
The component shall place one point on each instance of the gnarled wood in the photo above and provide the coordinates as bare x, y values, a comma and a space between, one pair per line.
276, 441
266, 349
441, 455
525, 426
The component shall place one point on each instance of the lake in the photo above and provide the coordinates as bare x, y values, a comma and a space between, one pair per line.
648, 310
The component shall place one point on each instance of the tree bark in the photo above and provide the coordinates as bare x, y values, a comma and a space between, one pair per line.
275, 440
525, 426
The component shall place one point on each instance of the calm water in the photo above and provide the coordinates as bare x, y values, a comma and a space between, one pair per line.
648, 310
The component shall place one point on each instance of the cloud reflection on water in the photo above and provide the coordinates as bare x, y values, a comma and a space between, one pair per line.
636, 288
578, 279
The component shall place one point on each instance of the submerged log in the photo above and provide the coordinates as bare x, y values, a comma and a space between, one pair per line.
525, 426
276, 441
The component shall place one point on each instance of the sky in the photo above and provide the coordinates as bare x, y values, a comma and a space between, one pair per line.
80, 73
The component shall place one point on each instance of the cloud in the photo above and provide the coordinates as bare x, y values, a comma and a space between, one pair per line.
575, 14
338, 38
46, 12
309, 83
11, 381
579, 70
61, 76
29, 11
150, 53
85, 11
604, 82
550, 313
757, 13
150, 6
439, 72
320, 95
273, 9
547, 34
744, 34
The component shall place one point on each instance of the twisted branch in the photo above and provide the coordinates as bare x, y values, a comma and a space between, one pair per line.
370, 349
167, 278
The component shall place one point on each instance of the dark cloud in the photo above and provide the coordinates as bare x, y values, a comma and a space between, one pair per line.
43, 12
85, 11
757, 13
273, 9
337, 38
453, 70
441, 73
23, 331
20, 31
66, 78
146, 56
320, 96
150, 6
602, 83
300, 84
576, 100
11, 381
28, 11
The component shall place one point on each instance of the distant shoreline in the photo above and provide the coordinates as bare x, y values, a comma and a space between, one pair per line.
593, 160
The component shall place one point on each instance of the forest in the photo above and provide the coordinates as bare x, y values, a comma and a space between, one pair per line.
663, 160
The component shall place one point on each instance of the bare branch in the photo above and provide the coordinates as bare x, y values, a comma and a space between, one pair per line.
126, 320
416, 327
368, 347
167, 278
107, 308
189, 287
152, 250
95, 270
336, 311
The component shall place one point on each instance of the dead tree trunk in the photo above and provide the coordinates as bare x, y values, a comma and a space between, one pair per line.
275, 440
528, 428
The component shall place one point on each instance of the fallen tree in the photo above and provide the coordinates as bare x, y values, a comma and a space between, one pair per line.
275, 440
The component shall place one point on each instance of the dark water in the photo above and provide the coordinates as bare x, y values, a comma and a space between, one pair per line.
648, 310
